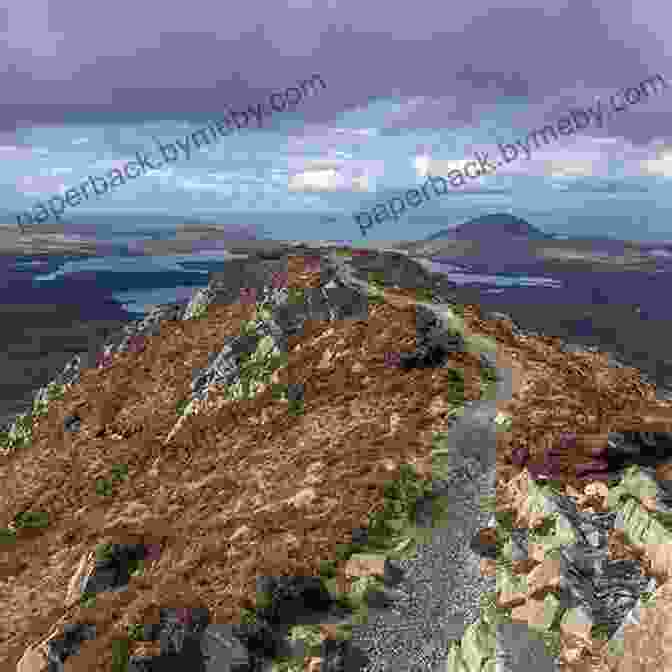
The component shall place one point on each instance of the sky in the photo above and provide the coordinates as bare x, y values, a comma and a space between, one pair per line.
411, 91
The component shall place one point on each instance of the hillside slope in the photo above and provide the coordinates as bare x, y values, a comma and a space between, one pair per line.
293, 422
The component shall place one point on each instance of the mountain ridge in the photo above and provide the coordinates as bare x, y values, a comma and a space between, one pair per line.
496, 224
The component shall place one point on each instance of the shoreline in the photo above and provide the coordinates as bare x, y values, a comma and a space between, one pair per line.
43, 240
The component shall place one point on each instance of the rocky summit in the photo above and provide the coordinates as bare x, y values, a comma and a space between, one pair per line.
323, 462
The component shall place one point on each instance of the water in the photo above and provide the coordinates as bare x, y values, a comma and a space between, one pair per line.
133, 282
137, 283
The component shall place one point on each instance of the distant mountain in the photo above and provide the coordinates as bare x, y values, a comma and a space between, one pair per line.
500, 225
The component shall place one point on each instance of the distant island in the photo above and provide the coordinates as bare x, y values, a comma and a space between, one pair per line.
500, 225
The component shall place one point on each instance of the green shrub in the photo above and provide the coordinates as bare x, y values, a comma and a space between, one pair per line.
19, 435
263, 312
248, 616
120, 654
363, 586
309, 634
136, 567
553, 642
88, 600
257, 369
295, 407
395, 527
55, 391
103, 552
103, 487
135, 632
7, 535
296, 295
424, 294
286, 664
488, 375
31, 519
455, 387
491, 613
247, 328
199, 311
600, 631
327, 569
279, 390
344, 551
119, 472
344, 631
375, 295
647, 597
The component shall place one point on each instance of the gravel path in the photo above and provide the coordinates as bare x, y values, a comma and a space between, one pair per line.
439, 595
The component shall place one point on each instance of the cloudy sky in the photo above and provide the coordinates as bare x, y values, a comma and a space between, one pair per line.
412, 90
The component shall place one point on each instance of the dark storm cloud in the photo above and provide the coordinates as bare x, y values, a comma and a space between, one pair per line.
139, 61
